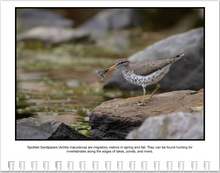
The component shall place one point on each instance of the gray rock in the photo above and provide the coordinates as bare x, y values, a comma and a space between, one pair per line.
173, 126
52, 35
186, 73
112, 19
32, 128
30, 18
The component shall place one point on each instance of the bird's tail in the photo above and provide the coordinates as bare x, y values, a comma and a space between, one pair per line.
174, 59
179, 56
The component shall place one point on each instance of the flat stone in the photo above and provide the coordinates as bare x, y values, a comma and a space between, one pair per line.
32, 128
186, 73
114, 119
174, 126
52, 35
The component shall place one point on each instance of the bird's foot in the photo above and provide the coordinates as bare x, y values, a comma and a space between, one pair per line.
140, 103
150, 99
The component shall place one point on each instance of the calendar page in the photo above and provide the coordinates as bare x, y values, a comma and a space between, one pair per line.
109, 86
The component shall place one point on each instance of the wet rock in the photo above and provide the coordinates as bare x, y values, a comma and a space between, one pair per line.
30, 18
113, 19
174, 126
52, 35
114, 119
31, 128
186, 73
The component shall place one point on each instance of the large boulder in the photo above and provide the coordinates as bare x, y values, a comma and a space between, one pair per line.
174, 126
112, 19
32, 128
114, 119
186, 73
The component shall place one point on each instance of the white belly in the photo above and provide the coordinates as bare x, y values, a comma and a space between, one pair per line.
146, 80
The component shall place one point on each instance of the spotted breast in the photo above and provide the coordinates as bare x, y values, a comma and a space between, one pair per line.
145, 80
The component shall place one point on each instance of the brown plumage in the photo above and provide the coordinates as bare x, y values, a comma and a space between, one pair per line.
146, 68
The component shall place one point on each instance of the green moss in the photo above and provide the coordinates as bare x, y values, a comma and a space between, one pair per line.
85, 132
50, 62
82, 126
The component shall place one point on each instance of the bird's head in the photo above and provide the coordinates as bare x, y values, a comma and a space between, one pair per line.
123, 63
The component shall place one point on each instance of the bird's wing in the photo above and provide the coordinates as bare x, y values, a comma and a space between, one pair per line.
146, 68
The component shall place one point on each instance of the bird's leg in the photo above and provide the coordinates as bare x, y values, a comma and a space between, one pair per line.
142, 103
158, 86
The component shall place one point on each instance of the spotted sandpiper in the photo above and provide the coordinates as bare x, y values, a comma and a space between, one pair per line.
143, 73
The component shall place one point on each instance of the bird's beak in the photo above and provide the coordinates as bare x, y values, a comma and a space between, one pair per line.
111, 68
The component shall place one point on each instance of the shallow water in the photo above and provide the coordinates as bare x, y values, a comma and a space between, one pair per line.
59, 83
50, 96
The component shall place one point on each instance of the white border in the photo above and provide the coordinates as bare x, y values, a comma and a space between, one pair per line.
12, 150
